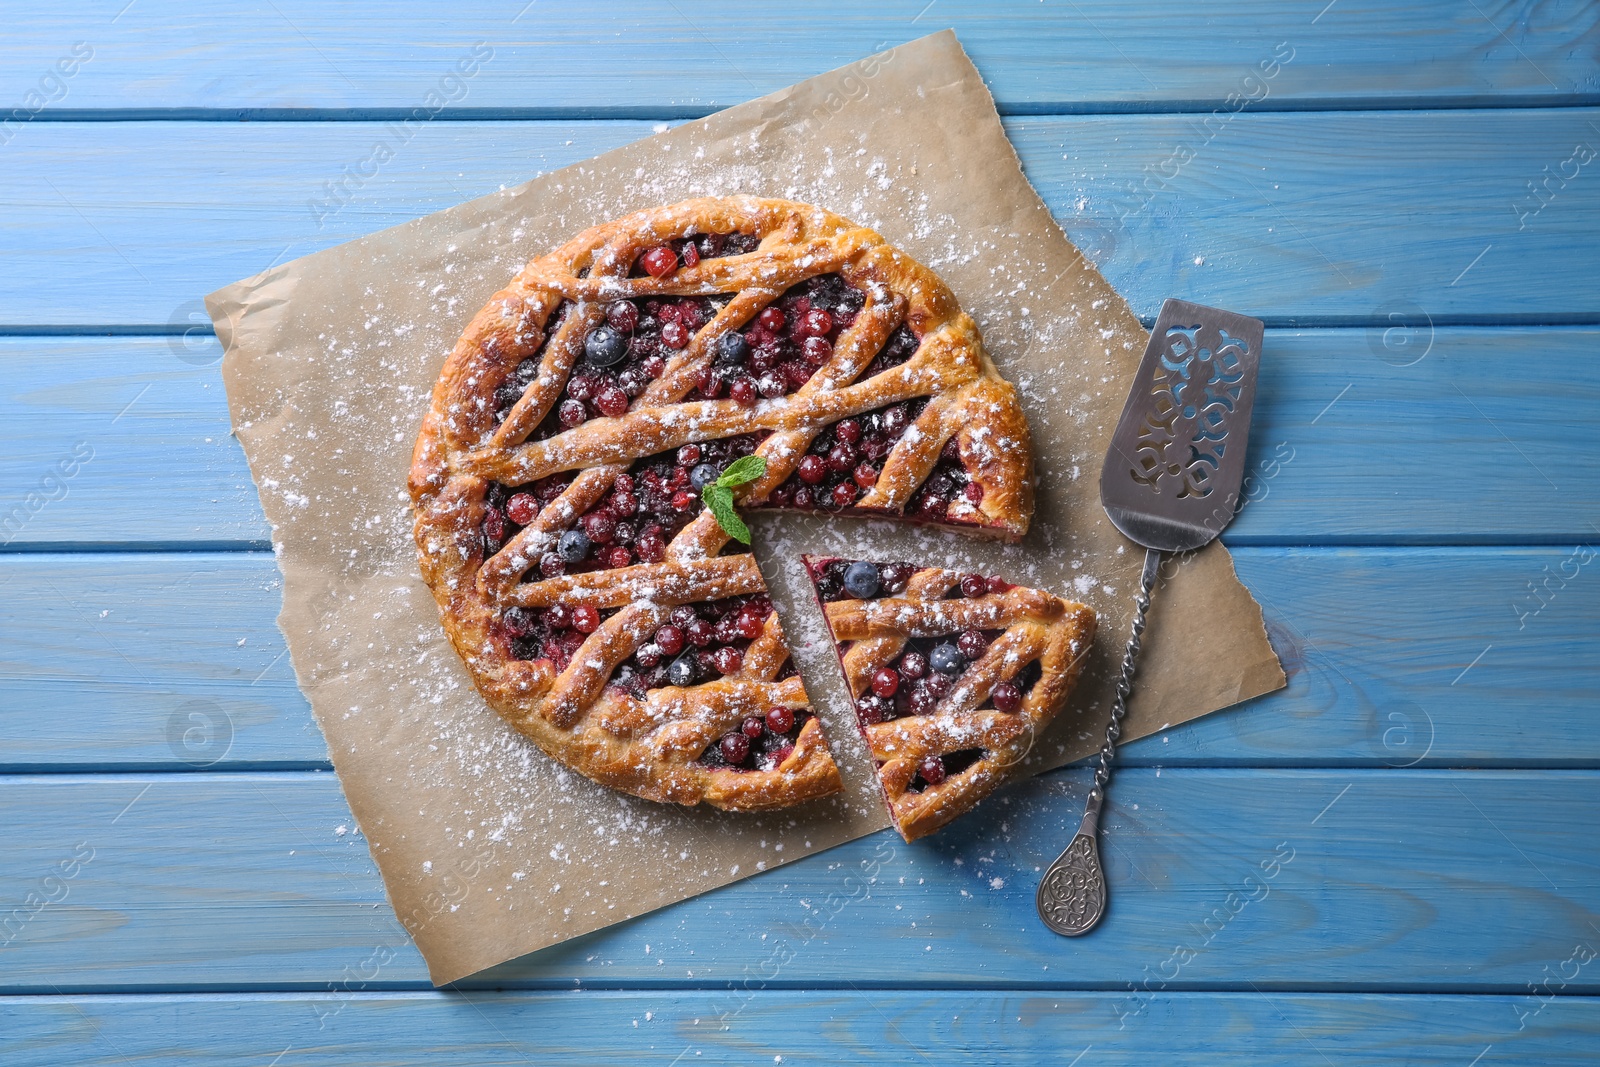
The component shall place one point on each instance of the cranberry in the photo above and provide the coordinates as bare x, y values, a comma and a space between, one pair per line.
816, 350
974, 585
1006, 697
753, 727
688, 455
649, 656
812, 470
895, 576
780, 720
683, 615
660, 261
700, 633
558, 616
735, 747
913, 665
618, 557
669, 639
972, 643
494, 524
973, 492
653, 367
586, 618
873, 708
623, 316
895, 420
632, 381
744, 391
651, 549
600, 527
932, 770
727, 629
886, 682
572, 413
728, 659
865, 475
675, 335
584, 386
749, 625
816, 323
922, 701
843, 495
551, 565
522, 508
772, 384
622, 504
691, 254
771, 319
612, 401
848, 431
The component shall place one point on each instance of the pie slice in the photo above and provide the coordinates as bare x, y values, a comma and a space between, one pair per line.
954, 676
557, 478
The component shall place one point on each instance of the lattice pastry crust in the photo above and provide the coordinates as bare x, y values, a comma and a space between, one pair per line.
1010, 656
537, 425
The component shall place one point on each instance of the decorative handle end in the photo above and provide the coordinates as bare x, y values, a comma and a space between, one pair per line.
1072, 894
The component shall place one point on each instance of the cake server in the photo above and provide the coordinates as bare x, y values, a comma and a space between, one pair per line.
1171, 483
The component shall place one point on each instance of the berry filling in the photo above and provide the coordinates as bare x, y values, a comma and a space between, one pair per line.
927, 668
844, 460
761, 742
507, 510
946, 483
554, 633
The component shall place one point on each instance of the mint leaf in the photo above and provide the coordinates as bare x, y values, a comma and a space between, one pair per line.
719, 498
742, 470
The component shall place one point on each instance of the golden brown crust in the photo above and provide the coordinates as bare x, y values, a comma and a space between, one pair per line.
1037, 626
651, 746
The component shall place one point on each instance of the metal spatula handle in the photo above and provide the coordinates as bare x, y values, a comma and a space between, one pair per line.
1072, 894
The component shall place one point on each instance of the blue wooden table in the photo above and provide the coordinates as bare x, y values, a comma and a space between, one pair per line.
1392, 861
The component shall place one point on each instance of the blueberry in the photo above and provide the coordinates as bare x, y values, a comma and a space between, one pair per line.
605, 346
947, 659
703, 475
732, 349
861, 580
681, 671
574, 546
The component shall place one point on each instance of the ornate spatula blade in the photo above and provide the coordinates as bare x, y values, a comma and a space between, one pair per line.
1170, 482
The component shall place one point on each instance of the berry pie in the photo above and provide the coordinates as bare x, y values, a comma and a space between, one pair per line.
591, 410
954, 676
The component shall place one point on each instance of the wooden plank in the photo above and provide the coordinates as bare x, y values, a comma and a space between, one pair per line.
780, 1027
1364, 881
683, 60
1394, 656
1350, 444
1308, 218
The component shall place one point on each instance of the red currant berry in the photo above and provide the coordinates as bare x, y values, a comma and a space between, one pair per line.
522, 508
1006, 697
735, 747
816, 323
651, 549
683, 500
701, 633
932, 770
886, 682
771, 319
865, 475
551, 565
974, 585
558, 616
675, 335
660, 261
848, 431
913, 665
844, 494
816, 351
744, 391
691, 254
728, 659
812, 470
972, 643
750, 625
669, 639
780, 720
623, 316
618, 556
753, 727
586, 618
572, 413
612, 401
688, 455
600, 527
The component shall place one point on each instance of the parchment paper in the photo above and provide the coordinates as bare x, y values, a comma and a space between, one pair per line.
490, 850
